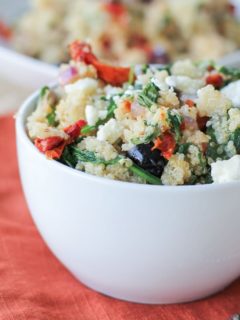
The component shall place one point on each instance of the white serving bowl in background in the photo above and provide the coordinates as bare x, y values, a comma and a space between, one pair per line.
148, 244
33, 73
16, 67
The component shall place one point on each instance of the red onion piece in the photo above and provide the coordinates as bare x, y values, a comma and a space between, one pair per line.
67, 75
137, 110
190, 124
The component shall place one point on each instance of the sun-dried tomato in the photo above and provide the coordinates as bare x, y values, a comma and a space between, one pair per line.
166, 144
215, 79
115, 76
74, 130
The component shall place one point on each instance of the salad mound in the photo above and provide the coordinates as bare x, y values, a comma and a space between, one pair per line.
173, 125
139, 31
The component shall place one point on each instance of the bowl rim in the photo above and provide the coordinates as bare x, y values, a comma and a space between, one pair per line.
20, 119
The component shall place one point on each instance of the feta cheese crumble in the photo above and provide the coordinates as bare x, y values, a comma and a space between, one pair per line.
232, 92
226, 170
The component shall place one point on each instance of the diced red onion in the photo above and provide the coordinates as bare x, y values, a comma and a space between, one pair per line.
66, 76
159, 56
136, 109
190, 124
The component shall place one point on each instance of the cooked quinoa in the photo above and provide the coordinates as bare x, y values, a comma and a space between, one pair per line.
173, 125
136, 31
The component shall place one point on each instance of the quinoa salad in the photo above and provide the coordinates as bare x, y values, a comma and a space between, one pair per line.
136, 31
176, 124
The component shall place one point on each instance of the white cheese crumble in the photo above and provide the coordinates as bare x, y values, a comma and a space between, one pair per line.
232, 91
226, 170
91, 114
110, 132
186, 68
160, 84
185, 84
87, 84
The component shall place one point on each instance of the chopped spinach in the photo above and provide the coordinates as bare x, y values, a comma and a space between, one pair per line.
214, 150
68, 157
166, 67
149, 95
235, 137
233, 73
89, 156
183, 148
175, 121
51, 118
148, 177
145, 68
131, 77
210, 132
43, 92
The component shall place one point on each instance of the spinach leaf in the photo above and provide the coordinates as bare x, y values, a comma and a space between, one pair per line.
43, 92
166, 67
151, 179
183, 148
149, 95
175, 121
236, 139
68, 157
131, 77
51, 118
233, 73
72, 155
210, 132
145, 68
89, 156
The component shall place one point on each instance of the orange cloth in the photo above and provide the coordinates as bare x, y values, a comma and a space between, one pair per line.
35, 286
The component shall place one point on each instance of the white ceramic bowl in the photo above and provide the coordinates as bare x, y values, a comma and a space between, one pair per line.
15, 66
148, 244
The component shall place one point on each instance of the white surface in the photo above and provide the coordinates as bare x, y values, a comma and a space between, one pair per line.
152, 244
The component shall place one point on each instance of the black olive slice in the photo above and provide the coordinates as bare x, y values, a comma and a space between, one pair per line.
144, 157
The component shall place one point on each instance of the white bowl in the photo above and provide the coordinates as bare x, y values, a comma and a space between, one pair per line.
148, 244
16, 67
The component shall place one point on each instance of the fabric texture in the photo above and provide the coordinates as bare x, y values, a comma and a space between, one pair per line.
35, 286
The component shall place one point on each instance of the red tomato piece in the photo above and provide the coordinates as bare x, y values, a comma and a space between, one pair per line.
115, 76
166, 144
5, 31
56, 152
127, 105
47, 144
82, 51
117, 10
215, 79
74, 130
190, 103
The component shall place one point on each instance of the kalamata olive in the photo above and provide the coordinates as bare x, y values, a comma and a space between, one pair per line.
159, 56
144, 157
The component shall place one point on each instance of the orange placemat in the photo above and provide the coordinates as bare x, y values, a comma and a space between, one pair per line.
35, 286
